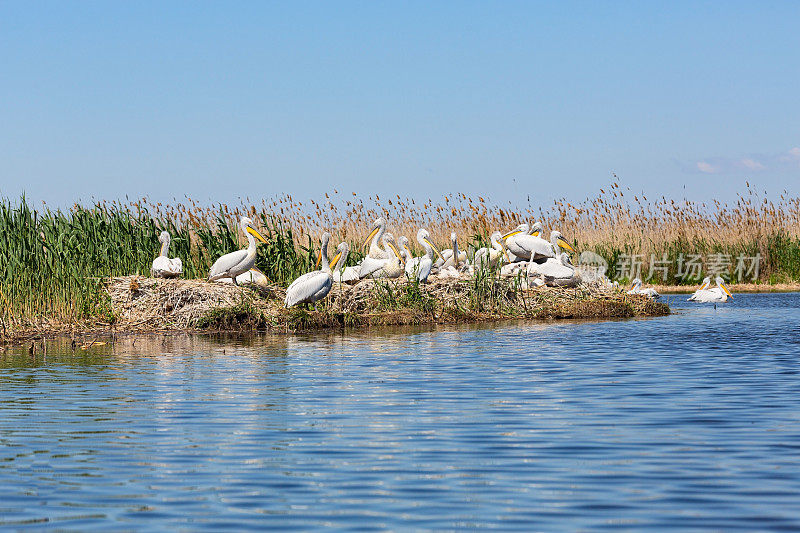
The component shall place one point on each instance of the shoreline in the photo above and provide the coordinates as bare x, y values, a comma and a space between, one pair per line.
156, 306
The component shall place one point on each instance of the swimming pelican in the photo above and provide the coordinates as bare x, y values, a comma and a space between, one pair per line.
717, 294
703, 286
448, 255
532, 246
163, 266
238, 262
491, 257
421, 266
314, 286
393, 267
636, 288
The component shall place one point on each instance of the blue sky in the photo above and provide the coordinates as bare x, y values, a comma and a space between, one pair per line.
220, 100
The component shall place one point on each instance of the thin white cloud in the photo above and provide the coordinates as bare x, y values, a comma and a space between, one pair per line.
788, 160
706, 168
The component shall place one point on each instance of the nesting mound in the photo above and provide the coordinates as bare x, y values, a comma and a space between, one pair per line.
170, 303
147, 303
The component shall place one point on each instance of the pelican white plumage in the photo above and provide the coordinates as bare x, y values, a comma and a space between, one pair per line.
447, 256
375, 238
238, 262
717, 294
421, 266
163, 266
252, 277
311, 287
555, 271
393, 267
636, 288
376, 256
706, 283
490, 257
531, 246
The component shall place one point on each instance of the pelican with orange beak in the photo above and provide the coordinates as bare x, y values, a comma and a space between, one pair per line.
311, 287
238, 262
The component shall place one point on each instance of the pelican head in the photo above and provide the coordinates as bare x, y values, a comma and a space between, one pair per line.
706, 283
247, 226
326, 237
341, 256
388, 240
522, 228
558, 240
164, 237
635, 283
403, 242
721, 284
377, 226
537, 229
424, 238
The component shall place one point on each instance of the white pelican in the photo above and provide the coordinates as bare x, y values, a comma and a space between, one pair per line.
421, 266
555, 271
636, 288
252, 277
238, 262
491, 257
405, 251
374, 238
393, 267
314, 286
717, 294
448, 255
163, 266
532, 246
703, 286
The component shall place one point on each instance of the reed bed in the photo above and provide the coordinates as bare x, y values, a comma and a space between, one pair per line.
55, 262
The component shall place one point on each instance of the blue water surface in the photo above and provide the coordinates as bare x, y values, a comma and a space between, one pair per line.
690, 421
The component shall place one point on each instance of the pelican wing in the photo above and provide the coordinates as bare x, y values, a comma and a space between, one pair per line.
164, 267
226, 264
371, 265
530, 246
552, 268
309, 288
424, 268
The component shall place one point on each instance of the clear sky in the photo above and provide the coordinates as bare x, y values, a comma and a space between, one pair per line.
220, 100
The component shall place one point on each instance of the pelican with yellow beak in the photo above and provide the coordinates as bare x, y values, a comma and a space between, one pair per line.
530, 246
491, 257
311, 287
420, 267
374, 238
705, 285
391, 267
717, 294
238, 262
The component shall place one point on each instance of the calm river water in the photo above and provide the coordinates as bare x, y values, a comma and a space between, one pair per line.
686, 422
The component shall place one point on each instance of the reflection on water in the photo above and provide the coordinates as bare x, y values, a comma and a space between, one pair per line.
688, 421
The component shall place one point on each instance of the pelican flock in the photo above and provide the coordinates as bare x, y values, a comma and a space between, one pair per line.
520, 252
